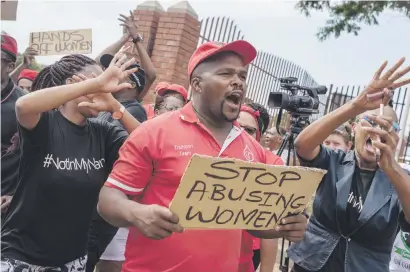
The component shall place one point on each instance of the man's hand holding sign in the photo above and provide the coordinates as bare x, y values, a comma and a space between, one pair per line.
233, 194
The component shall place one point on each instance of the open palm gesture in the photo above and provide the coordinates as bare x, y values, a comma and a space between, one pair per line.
111, 80
101, 101
380, 89
130, 24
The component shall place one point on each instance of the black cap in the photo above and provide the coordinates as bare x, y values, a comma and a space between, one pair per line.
137, 77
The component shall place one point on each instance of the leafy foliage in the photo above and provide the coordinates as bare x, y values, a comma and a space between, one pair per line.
346, 16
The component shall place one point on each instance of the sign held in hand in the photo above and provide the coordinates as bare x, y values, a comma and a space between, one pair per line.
62, 42
9, 10
232, 194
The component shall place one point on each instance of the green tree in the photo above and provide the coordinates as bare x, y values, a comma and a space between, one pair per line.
347, 16
34, 64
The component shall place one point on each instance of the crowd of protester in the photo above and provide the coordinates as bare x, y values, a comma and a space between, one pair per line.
88, 171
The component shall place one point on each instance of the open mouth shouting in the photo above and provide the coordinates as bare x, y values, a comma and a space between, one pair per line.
368, 146
234, 99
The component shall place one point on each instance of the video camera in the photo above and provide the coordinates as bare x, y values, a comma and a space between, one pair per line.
294, 103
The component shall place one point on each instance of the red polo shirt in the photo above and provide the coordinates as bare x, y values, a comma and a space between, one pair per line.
150, 167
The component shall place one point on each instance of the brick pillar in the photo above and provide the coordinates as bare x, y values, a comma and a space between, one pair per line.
176, 40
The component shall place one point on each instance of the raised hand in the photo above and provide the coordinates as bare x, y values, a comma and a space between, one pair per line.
28, 56
98, 101
380, 89
111, 80
130, 24
389, 139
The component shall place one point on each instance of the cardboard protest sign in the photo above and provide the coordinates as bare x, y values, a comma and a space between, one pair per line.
62, 42
9, 10
223, 193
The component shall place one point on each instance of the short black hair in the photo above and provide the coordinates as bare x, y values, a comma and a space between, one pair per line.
159, 102
174, 94
263, 119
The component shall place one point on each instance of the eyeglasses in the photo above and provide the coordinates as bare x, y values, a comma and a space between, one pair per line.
396, 126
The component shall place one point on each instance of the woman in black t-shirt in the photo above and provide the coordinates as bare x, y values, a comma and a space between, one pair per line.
65, 160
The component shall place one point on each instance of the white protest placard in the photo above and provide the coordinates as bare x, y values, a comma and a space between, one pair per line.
223, 193
9, 10
62, 42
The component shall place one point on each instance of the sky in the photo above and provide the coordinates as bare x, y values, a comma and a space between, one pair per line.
272, 26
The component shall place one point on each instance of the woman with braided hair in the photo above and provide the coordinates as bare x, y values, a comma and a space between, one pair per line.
65, 159
255, 252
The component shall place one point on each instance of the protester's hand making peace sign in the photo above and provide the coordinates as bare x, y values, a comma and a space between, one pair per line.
130, 24
380, 89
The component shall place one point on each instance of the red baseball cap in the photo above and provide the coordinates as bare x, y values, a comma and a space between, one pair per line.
9, 45
208, 49
175, 88
27, 73
161, 85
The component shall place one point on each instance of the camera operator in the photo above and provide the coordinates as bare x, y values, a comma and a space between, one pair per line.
363, 196
340, 139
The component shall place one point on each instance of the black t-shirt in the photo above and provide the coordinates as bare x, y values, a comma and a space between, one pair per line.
63, 167
360, 186
138, 112
10, 150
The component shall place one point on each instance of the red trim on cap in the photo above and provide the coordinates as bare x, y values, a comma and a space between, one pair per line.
174, 87
206, 50
9, 44
28, 74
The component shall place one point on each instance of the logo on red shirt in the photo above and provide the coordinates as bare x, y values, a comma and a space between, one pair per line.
248, 154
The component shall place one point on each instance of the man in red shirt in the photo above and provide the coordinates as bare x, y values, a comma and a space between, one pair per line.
154, 158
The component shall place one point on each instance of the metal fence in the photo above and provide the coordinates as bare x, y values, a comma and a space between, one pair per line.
264, 72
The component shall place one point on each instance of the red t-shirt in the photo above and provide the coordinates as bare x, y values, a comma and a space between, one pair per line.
150, 167
249, 242
149, 109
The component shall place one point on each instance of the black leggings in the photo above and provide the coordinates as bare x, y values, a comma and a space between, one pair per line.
256, 258
100, 235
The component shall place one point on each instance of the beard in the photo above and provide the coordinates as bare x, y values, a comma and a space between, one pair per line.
229, 118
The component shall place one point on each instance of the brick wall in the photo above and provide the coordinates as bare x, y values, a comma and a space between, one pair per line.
170, 38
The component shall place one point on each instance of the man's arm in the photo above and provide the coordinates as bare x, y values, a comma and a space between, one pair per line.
129, 177
131, 25
28, 57
269, 250
114, 48
307, 144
